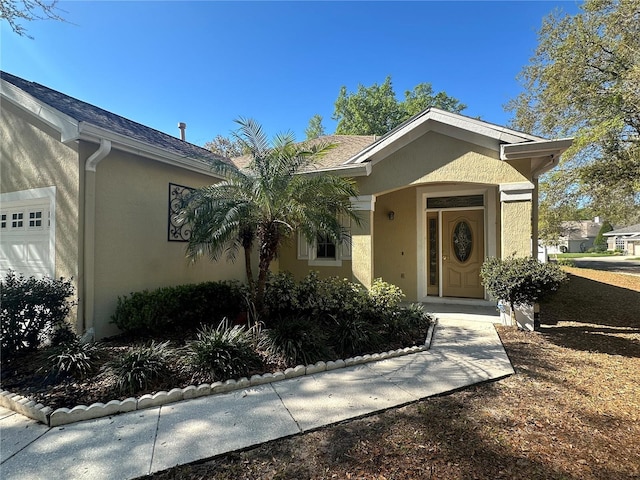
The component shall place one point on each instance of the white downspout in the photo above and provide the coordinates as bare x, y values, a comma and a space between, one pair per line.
90, 235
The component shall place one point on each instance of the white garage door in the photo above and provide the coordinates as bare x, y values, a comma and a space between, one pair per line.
27, 244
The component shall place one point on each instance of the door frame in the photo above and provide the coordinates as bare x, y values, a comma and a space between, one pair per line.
489, 193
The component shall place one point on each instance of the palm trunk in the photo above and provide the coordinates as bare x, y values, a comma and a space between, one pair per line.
269, 241
249, 271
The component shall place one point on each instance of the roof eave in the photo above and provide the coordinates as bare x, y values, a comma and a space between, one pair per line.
535, 149
66, 125
92, 133
358, 170
71, 130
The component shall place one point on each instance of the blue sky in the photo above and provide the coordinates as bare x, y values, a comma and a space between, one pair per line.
207, 63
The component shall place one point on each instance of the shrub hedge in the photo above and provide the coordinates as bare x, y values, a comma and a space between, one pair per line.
31, 311
172, 309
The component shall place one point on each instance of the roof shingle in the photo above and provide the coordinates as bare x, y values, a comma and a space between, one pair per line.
85, 112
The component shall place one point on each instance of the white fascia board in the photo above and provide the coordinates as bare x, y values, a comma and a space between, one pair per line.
358, 170
497, 132
536, 149
93, 133
516, 186
66, 125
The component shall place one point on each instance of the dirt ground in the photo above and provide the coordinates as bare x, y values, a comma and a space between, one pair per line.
572, 411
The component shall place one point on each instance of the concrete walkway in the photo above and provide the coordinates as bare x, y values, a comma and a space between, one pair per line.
141, 442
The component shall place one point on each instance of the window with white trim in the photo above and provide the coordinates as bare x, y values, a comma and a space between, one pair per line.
325, 248
323, 252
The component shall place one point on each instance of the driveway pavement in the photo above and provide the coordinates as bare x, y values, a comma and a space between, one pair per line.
616, 264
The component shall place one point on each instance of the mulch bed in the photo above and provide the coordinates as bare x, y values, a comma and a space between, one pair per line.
572, 411
30, 377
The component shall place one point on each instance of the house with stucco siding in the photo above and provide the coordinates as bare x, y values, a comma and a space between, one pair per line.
438, 195
88, 194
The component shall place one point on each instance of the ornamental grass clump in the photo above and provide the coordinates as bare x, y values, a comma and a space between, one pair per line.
140, 367
224, 352
76, 359
295, 340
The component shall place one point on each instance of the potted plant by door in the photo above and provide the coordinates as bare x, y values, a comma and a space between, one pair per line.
518, 284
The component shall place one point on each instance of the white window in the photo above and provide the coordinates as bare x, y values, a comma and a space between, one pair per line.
322, 252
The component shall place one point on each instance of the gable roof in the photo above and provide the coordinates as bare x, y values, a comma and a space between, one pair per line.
77, 119
631, 230
355, 155
510, 143
344, 147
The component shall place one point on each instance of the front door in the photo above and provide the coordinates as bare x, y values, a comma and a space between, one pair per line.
462, 253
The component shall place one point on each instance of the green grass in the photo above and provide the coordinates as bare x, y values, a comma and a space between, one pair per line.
581, 255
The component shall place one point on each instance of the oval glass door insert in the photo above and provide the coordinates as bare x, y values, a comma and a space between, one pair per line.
462, 241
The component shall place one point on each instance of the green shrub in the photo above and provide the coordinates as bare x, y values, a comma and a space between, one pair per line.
567, 262
600, 242
404, 322
385, 296
314, 297
76, 360
295, 340
281, 295
224, 352
352, 318
138, 368
337, 297
177, 308
351, 335
31, 311
521, 280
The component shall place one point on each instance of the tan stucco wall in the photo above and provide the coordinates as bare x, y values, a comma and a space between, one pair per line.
395, 255
131, 248
516, 229
31, 156
436, 158
288, 262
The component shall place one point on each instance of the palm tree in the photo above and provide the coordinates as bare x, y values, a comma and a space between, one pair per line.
268, 202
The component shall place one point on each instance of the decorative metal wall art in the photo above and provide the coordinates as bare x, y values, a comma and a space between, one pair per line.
178, 196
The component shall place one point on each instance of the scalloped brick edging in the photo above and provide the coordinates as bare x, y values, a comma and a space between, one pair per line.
63, 416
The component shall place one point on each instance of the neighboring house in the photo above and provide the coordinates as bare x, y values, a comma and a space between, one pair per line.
578, 236
626, 239
438, 195
87, 194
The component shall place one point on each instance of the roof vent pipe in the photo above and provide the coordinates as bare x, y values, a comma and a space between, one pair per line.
182, 126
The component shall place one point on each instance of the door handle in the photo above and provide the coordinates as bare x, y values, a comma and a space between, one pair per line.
445, 258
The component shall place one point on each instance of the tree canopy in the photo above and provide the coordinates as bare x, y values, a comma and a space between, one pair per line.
267, 203
375, 110
225, 146
16, 11
315, 128
584, 81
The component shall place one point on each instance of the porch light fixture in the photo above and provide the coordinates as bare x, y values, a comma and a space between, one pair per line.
391, 215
